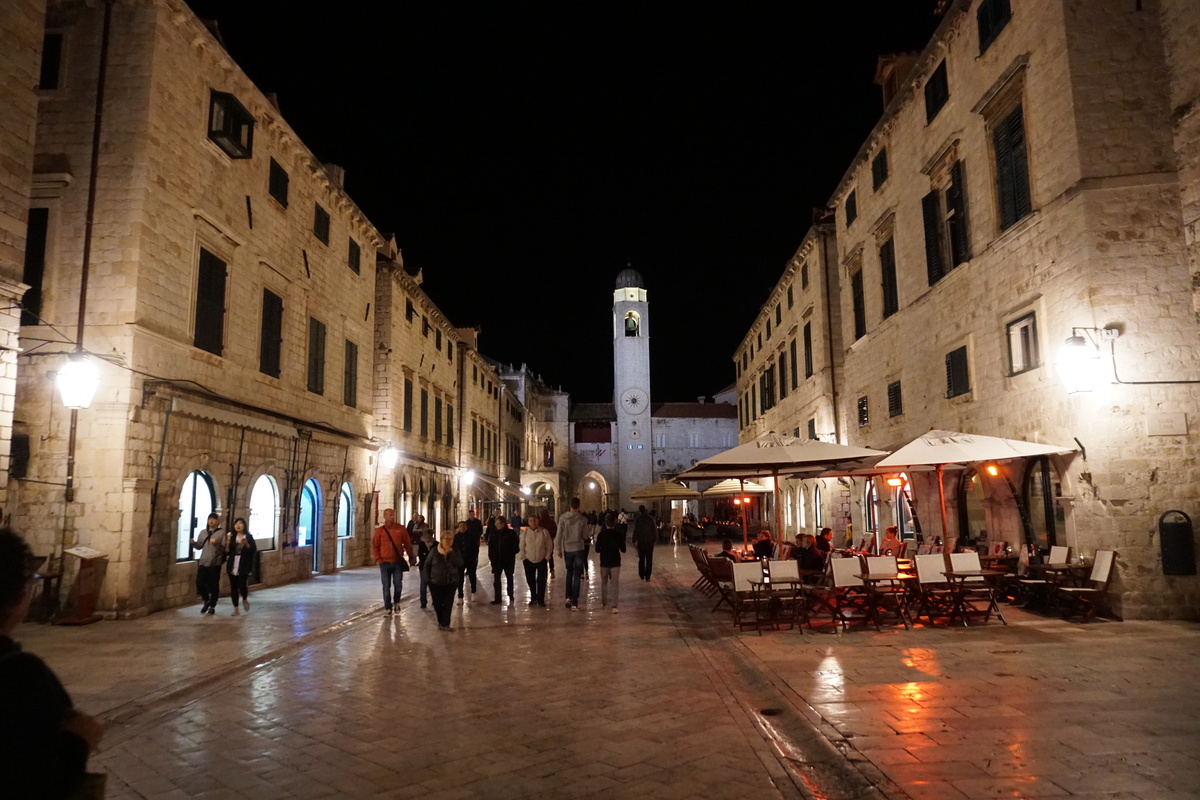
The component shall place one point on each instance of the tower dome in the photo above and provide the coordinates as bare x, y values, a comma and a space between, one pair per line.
630, 278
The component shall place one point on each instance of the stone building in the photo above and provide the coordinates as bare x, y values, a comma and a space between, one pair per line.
619, 447
1022, 189
28, 67
545, 448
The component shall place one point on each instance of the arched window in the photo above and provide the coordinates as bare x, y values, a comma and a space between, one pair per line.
197, 499
548, 452
345, 522
264, 512
871, 509
801, 502
1045, 515
818, 512
307, 531
972, 521
632, 324
904, 514
787, 512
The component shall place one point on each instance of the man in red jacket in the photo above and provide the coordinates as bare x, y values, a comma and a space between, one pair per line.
390, 538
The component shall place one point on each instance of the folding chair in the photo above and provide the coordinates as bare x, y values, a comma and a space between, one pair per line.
1038, 591
1086, 599
975, 589
934, 591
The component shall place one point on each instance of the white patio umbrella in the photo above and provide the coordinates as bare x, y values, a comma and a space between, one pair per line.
939, 449
773, 454
665, 490
738, 486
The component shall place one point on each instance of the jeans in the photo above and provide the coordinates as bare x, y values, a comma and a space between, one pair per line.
610, 574
507, 569
424, 588
574, 562
208, 585
443, 602
535, 576
470, 564
645, 563
392, 575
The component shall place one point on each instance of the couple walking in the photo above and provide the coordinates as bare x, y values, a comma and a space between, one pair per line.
538, 548
441, 570
236, 550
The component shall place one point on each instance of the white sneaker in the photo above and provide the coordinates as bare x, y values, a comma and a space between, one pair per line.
614, 609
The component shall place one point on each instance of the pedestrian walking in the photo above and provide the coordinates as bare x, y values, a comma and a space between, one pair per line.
572, 532
425, 545
239, 564
502, 553
443, 572
47, 741
551, 527
536, 548
467, 543
389, 545
645, 535
610, 543
208, 564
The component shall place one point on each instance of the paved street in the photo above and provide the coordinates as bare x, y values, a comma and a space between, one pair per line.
316, 694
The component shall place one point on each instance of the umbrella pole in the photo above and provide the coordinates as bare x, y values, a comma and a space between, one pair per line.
778, 511
745, 534
942, 500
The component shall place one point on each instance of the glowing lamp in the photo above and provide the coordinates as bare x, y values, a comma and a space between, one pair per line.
389, 457
525, 490
468, 477
992, 470
1078, 365
895, 481
77, 382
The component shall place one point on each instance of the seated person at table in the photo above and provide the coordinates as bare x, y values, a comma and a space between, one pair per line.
807, 554
825, 541
764, 547
890, 546
727, 551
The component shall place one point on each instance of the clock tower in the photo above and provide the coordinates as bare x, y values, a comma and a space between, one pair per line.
631, 386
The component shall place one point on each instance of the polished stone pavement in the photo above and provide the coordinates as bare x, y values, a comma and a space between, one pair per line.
315, 694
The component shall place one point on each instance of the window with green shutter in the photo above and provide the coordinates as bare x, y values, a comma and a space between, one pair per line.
958, 379
408, 404
210, 304
316, 356
271, 336
350, 376
887, 270
1012, 168
860, 305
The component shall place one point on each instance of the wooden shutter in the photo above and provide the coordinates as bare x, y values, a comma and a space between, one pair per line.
350, 376
864, 414
210, 304
271, 336
808, 354
895, 399
958, 381
956, 199
35, 264
1012, 168
437, 419
354, 256
933, 239
795, 370
783, 376
449, 424
277, 183
316, 356
937, 91
408, 404
425, 413
887, 269
860, 305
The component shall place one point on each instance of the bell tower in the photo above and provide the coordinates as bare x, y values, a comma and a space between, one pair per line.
631, 386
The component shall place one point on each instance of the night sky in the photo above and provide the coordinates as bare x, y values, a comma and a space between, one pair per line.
522, 152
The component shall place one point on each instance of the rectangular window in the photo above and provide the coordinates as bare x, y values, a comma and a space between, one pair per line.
887, 272
768, 328
210, 304
693, 439
408, 404
35, 265
931, 210
808, 351
804, 276
879, 169
271, 337
277, 183
350, 376
851, 208
860, 305
316, 356
1022, 344
812, 429
409, 311
321, 223
779, 313
895, 399
437, 339
425, 327
759, 340
937, 92
947, 235
791, 301
864, 414
753, 407
424, 413
782, 376
354, 257
957, 227
795, 370
1012, 168
992, 16
474, 437
230, 125
51, 72
958, 380
449, 424
437, 419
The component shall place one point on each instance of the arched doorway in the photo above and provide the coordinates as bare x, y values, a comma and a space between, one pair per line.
818, 511
904, 509
593, 492
197, 499
1046, 516
264, 512
345, 523
308, 531
871, 511
972, 519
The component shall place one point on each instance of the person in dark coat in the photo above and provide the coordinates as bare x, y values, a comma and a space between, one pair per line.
239, 564
502, 553
467, 543
443, 572
46, 741
609, 546
645, 535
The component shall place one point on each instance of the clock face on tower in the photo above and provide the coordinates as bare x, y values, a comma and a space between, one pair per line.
634, 401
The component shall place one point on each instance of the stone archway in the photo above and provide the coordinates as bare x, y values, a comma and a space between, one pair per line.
593, 492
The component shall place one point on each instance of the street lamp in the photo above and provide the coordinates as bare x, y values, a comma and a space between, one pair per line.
389, 457
1079, 361
77, 381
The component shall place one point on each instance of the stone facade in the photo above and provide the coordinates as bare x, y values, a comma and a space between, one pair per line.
545, 449
957, 293
22, 24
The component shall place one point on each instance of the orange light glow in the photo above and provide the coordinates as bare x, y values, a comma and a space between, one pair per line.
992, 470
895, 480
